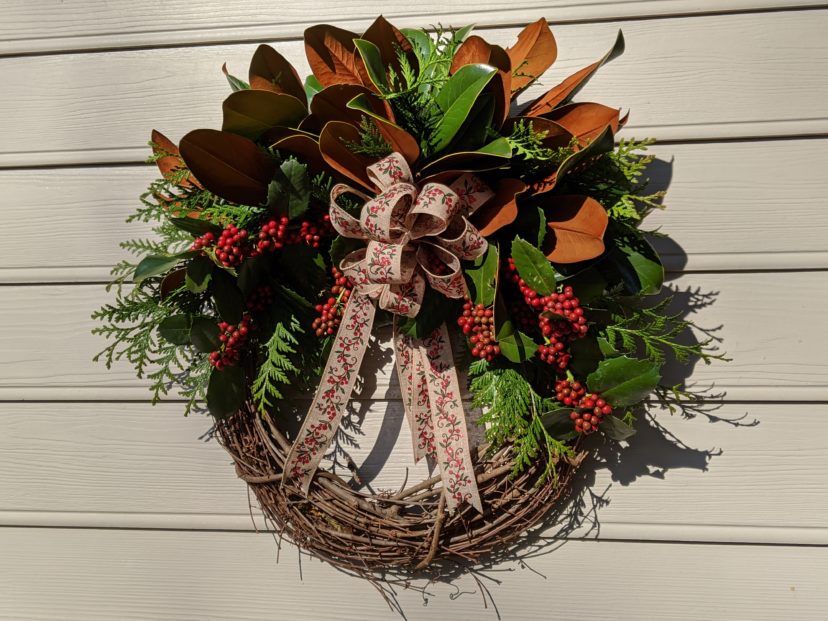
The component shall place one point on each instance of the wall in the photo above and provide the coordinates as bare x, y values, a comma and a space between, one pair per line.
113, 509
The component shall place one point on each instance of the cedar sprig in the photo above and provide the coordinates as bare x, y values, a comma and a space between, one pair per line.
277, 367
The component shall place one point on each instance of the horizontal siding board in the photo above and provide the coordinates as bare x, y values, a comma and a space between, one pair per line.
135, 466
50, 26
45, 331
679, 77
731, 206
101, 575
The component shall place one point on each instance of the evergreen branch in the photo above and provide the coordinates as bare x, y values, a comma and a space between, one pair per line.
277, 366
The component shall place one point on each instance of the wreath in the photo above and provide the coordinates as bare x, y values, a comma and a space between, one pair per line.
403, 189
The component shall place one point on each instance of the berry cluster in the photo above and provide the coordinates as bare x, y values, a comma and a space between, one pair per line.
232, 338
330, 311
232, 246
558, 316
478, 322
259, 299
275, 233
588, 410
202, 242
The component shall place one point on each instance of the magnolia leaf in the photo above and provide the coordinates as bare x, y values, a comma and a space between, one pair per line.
331, 55
229, 300
271, 71
399, 140
199, 272
312, 87
533, 267
476, 50
204, 334
624, 381
456, 99
420, 41
616, 429
563, 92
586, 121
481, 277
577, 225
293, 142
226, 391
493, 155
176, 329
514, 344
500, 210
289, 192
533, 53
235, 83
228, 165
156, 264
603, 143
390, 42
372, 58
251, 113
333, 145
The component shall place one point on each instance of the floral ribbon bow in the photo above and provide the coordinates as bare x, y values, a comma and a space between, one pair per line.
415, 238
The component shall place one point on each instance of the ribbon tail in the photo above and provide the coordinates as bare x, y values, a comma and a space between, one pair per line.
451, 438
334, 391
411, 374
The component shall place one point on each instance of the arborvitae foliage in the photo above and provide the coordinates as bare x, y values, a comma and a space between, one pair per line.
371, 142
277, 367
529, 155
512, 412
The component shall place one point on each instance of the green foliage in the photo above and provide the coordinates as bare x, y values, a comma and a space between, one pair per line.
529, 154
655, 331
371, 141
617, 181
513, 413
277, 366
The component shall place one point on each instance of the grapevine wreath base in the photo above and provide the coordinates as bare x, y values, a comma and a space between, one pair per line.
367, 533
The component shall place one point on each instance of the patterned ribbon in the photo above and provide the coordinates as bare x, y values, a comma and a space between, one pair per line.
415, 238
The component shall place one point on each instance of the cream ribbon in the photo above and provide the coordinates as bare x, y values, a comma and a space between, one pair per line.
415, 237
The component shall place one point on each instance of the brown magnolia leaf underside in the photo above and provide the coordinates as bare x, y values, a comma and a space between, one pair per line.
585, 120
567, 89
331, 55
500, 210
533, 53
576, 225
167, 164
228, 165
297, 143
250, 113
389, 39
476, 50
333, 141
270, 71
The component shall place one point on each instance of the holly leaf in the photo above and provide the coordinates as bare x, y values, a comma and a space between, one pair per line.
514, 344
637, 264
481, 277
615, 428
533, 267
289, 192
558, 422
199, 272
204, 334
195, 226
156, 264
343, 246
226, 391
228, 298
176, 329
624, 381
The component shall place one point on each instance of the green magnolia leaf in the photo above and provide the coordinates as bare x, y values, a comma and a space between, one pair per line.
615, 428
420, 41
176, 329
490, 156
514, 344
204, 334
456, 99
236, 84
156, 264
481, 277
199, 272
475, 130
289, 192
372, 57
228, 298
624, 381
604, 143
226, 391
312, 86
534, 267
195, 226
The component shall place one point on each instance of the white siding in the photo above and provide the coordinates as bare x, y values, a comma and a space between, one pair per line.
113, 509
